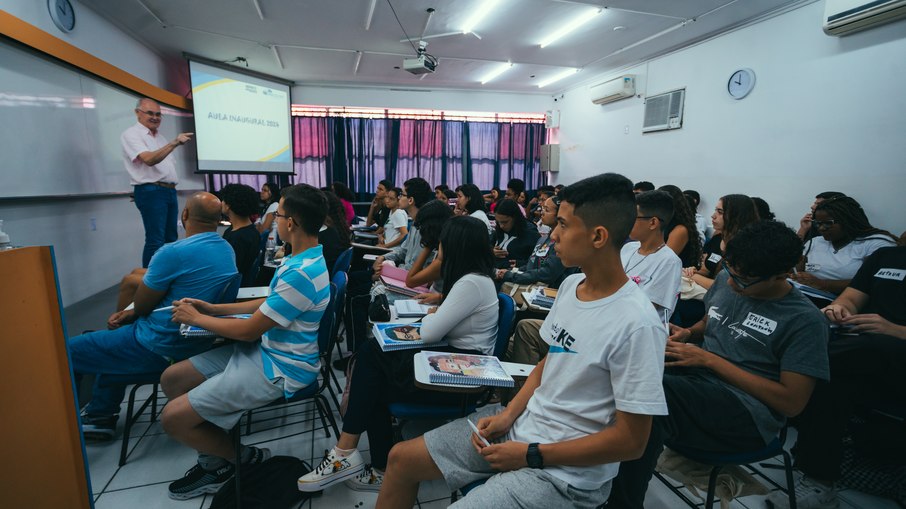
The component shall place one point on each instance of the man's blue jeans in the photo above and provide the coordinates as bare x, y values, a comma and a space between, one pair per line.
114, 352
159, 209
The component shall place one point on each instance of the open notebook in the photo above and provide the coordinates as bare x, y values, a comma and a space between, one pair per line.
394, 278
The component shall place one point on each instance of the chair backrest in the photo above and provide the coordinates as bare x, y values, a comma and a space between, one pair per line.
230, 290
344, 261
506, 309
325, 328
340, 279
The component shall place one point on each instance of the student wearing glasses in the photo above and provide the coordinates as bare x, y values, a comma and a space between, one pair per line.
152, 175
845, 240
764, 346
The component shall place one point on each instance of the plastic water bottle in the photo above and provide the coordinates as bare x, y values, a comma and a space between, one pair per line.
269, 249
4, 239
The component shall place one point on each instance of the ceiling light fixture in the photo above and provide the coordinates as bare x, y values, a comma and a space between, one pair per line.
486, 7
500, 69
565, 74
569, 27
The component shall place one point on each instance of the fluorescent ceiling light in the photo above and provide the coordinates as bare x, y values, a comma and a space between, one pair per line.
558, 77
485, 7
500, 69
569, 27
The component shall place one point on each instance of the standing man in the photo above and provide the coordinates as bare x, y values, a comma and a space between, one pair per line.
153, 176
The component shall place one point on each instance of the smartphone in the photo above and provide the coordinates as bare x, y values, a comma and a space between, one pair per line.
475, 429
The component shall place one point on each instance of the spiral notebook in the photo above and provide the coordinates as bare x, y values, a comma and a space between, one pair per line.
191, 331
463, 369
400, 336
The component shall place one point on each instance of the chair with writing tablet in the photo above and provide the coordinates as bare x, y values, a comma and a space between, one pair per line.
138, 380
506, 308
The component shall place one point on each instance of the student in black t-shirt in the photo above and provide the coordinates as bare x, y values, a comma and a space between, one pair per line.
867, 356
239, 203
334, 236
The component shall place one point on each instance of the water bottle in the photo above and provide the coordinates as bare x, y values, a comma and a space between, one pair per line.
269, 249
4, 239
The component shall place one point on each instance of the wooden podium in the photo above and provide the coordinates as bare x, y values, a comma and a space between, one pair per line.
40, 443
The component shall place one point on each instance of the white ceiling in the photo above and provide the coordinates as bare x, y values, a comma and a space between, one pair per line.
317, 40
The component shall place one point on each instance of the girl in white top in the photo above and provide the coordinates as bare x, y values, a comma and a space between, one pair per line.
270, 195
470, 200
847, 238
467, 318
397, 226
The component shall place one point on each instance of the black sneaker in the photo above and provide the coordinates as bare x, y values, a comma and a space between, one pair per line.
199, 481
99, 428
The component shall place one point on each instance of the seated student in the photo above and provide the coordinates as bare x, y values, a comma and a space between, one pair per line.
764, 209
416, 194
681, 234
239, 202
378, 212
346, 197
807, 230
765, 345
732, 213
866, 361
209, 392
535, 204
642, 186
270, 195
514, 236
514, 189
647, 259
586, 407
334, 235
470, 201
440, 192
467, 317
700, 224
493, 198
397, 226
846, 239
140, 340
543, 266
426, 269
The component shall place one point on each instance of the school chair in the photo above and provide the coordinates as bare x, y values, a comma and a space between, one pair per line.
414, 411
138, 380
344, 261
743, 458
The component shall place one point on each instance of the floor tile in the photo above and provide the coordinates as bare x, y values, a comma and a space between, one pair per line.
145, 497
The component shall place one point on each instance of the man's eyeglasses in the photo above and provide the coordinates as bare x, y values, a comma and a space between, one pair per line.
742, 284
824, 224
284, 216
151, 113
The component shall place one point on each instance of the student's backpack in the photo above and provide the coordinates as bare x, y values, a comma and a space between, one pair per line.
267, 485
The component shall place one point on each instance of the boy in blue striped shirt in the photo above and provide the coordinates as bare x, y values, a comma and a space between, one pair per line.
209, 392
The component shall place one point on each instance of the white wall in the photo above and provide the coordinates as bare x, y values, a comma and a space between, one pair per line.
826, 113
88, 261
386, 97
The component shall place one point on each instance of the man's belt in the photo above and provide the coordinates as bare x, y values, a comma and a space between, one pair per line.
168, 185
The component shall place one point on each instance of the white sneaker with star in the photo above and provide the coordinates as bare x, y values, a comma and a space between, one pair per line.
332, 470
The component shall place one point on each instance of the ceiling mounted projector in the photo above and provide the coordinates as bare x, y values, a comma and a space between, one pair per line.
423, 63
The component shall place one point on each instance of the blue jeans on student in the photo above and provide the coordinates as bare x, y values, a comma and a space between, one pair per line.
159, 209
113, 352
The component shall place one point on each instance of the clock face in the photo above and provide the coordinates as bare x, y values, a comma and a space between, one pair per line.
741, 83
62, 14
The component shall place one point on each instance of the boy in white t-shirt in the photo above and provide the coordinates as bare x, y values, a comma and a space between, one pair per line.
397, 226
586, 407
656, 270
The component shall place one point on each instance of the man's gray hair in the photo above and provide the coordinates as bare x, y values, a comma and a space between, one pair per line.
138, 104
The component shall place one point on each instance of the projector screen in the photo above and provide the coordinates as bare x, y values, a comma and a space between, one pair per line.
242, 122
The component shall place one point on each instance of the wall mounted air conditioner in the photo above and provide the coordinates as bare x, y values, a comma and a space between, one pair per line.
664, 111
613, 90
842, 17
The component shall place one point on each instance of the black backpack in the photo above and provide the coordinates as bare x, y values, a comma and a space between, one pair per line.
267, 485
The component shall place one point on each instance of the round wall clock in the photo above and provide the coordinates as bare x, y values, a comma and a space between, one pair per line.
741, 83
62, 14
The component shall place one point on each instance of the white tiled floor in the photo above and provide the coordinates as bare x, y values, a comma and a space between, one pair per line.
157, 460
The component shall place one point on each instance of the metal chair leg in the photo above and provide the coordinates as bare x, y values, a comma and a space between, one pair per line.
237, 445
790, 487
712, 486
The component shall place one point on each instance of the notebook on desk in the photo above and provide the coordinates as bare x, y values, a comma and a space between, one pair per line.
400, 336
191, 331
394, 278
463, 369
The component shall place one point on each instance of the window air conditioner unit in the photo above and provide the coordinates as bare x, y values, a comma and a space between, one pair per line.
842, 17
613, 90
664, 111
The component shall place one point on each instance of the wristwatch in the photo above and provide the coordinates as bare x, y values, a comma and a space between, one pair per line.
533, 456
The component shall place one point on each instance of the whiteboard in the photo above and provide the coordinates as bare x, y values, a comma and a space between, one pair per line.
60, 130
